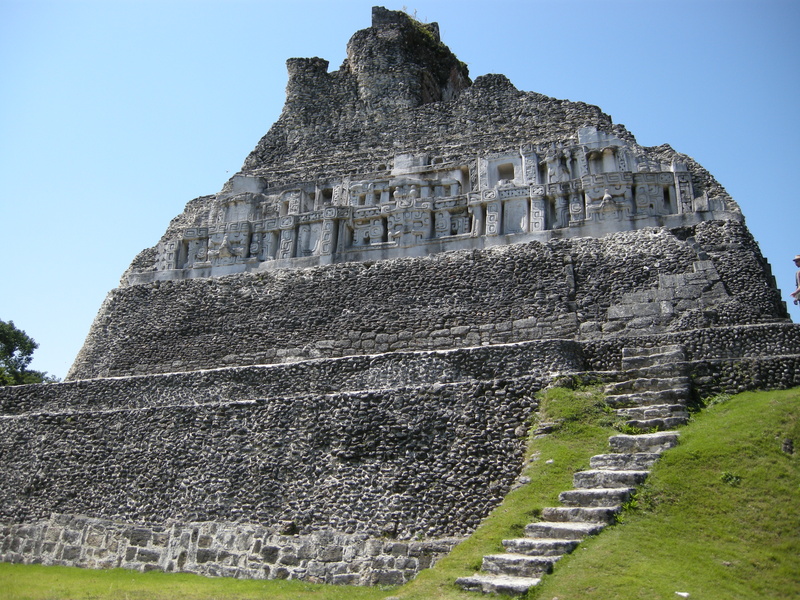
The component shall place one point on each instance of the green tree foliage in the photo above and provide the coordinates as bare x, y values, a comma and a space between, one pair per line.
16, 353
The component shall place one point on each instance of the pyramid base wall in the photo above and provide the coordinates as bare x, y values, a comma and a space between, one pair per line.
219, 550
217, 473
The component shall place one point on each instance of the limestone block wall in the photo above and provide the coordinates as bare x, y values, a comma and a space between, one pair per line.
219, 549
565, 288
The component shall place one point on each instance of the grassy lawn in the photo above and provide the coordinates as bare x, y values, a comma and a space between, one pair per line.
34, 582
719, 518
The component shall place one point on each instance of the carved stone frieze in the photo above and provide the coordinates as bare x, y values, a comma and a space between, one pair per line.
530, 189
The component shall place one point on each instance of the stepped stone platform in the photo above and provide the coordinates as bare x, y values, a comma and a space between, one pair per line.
593, 505
587, 511
327, 370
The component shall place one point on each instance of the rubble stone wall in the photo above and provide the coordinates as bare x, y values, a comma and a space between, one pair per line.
347, 374
701, 345
218, 472
428, 460
562, 289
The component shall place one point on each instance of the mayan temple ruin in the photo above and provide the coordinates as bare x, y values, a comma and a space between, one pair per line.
327, 370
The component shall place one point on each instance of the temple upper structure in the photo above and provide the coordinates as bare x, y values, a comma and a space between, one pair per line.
398, 153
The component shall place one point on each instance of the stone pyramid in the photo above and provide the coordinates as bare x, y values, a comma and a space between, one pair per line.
326, 371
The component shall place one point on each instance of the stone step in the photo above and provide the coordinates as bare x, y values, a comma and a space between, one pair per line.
540, 547
518, 565
596, 497
646, 442
653, 411
608, 479
658, 424
670, 396
658, 371
635, 461
636, 358
580, 514
497, 584
593, 505
648, 384
562, 531
635, 351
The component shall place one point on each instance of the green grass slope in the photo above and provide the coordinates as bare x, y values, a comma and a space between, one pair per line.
719, 518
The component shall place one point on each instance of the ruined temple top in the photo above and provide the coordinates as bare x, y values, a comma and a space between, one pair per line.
399, 153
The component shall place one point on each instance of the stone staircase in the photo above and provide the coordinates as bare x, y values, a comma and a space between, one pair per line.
652, 398
655, 395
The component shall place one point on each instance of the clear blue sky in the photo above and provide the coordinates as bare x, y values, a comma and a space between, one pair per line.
114, 114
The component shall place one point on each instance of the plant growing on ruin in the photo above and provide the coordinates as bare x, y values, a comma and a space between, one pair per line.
716, 399
573, 409
630, 505
627, 429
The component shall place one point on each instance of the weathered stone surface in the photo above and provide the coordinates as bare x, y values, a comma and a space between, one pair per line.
497, 584
635, 461
653, 411
542, 547
563, 531
608, 479
399, 153
518, 565
650, 442
580, 514
425, 302
642, 384
650, 398
595, 497
375, 461
220, 549
326, 370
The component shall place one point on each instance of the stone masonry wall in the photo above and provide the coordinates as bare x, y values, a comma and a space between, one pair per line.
352, 373
428, 460
566, 288
307, 470
703, 345
538, 359
219, 549
350, 423
354, 119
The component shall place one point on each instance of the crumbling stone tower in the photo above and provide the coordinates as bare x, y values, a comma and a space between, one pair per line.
325, 370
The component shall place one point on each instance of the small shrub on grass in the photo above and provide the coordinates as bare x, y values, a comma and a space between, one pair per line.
631, 505
730, 478
716, 399
629, 429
